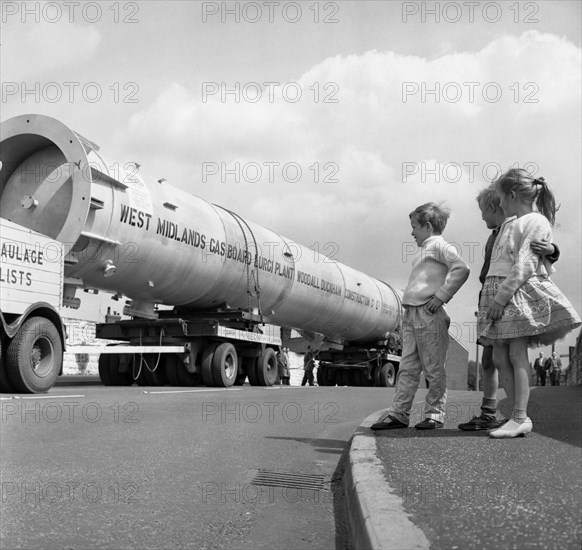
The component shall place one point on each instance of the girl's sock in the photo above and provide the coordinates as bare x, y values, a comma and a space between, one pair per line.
519, 415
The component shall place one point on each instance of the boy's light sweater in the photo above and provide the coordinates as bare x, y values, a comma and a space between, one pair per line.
438, 270
512, 256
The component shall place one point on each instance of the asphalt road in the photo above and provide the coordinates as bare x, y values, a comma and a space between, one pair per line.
94, 467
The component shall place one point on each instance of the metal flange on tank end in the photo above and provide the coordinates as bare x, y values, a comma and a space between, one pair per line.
27, 135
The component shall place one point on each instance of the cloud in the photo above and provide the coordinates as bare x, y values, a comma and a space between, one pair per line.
35, 49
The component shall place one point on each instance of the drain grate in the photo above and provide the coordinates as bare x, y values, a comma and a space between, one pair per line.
292, 480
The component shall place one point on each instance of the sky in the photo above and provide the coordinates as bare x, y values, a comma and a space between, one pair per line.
327, 122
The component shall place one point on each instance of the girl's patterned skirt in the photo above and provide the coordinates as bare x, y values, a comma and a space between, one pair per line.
538, 311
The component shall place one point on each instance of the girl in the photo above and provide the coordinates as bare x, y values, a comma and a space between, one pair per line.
520, 306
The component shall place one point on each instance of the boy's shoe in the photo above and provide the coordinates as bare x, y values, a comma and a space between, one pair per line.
429, 424
389, 423
481, 423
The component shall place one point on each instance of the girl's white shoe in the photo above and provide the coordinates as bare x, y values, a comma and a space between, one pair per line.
512, 429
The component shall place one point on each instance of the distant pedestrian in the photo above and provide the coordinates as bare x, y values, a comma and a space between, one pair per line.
540, 369
438, 272
520, 305
308, 366
554, 368
283, 367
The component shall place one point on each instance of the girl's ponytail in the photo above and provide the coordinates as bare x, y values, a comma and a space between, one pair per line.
545, 201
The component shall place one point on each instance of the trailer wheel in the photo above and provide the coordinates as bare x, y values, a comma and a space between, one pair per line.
35, 356
187, 378
225, 365
245, 364
118, 377
172, 370
251, 368
156, 377
388, 375
105, 370
329, 376
362, 378
376, 376
344, 378
266, 367
110, 374
206, 369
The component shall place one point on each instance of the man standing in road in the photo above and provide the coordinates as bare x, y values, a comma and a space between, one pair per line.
308, 366
540, 368
554, 367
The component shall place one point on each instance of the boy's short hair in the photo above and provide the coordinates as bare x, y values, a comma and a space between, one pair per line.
436, 214
489, 196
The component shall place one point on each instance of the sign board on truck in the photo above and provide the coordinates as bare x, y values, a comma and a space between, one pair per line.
31, 268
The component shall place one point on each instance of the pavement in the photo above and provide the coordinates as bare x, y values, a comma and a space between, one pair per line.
449, 489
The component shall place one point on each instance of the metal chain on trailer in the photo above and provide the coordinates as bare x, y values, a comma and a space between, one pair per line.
144, 361
255, 273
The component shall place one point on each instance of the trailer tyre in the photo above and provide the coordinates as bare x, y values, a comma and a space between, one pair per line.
172, 370
329, 376
35, 356
363, 378
224, 365
105, 370
266, 367
245, 363
251, 368
156, 377
187, 378
121, 378
388, 375
206, 369
110, 374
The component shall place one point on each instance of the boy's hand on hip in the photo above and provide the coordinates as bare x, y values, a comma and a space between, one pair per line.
495, 311
543, 248
433, 304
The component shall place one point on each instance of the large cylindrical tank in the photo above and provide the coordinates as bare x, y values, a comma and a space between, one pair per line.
155, 243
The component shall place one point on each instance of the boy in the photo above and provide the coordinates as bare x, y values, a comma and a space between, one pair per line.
493, 216
438, 272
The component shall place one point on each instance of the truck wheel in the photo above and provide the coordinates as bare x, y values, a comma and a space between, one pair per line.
156, 377
121, 378
5, 385
376, 376
172, 371
356, 376
186, 378
344, 378
251, 368
110, 374
35, 356
363, 378
206, 369
245, 364
266, 367
388, 375
224, 365
330, 376
105, 370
